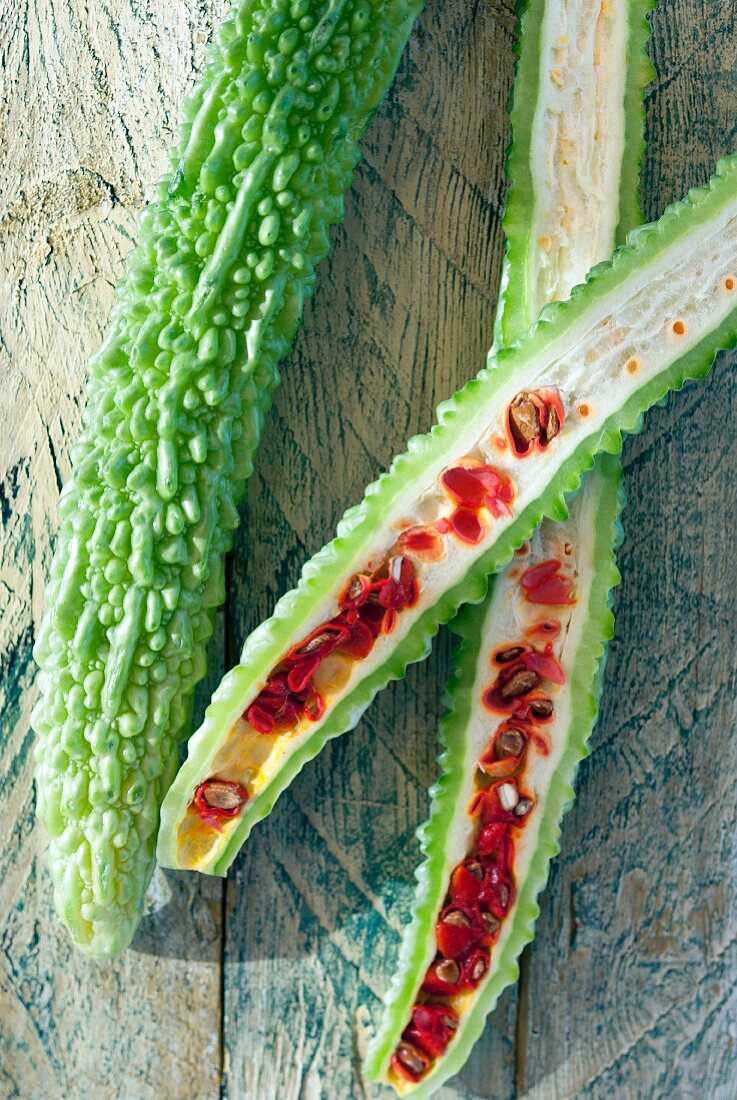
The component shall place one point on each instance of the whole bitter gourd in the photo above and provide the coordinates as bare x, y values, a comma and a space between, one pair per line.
175, 402
451, 510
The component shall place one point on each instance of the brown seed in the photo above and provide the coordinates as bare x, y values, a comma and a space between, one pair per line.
478, 969
523, 807
541, 708
221, 796
450, 1022
524, 420
457, 919
519, 684
448, 971
412, 1058
504, 895
509, 743
476, 869
552, 427
489, 923
511, 654
315, 643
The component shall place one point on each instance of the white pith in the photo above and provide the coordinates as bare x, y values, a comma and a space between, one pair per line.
577, 141
587, 365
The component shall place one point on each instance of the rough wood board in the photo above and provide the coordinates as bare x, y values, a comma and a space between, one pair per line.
628, 989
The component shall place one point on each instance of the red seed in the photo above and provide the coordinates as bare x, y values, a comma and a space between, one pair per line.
470, 485
474, 968
409, 1062
357, 591
442, 978
219, 798
290, 714
466, 882
319, 643
544, 584
277, 685
421, 542
454, 938
495, 841
360, 641
399, 589
431, 1028
546, 665
389, 621
372, 615
300, 676
315, 707
467, 526
260, 719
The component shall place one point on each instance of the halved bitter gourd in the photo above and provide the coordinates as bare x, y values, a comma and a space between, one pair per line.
523, 697
175, 403
524, 694
451, 510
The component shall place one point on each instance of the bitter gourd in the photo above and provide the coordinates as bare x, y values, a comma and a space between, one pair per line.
452, 509
175, 402
580, 76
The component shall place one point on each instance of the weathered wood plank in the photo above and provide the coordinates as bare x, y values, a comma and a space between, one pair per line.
402, 314
629, 988
91, 93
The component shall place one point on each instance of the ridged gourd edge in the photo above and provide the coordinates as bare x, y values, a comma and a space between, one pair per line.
324, 572
586, 685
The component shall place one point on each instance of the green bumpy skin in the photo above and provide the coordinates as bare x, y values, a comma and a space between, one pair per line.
698, 233
176, 398
479, 626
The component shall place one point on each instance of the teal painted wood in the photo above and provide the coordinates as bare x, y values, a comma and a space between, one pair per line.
627, 991
91, 92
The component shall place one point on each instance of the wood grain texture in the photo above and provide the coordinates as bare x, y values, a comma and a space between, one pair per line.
263, 988
90, 101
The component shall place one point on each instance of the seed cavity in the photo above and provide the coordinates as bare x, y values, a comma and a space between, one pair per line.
524, 421
533, 419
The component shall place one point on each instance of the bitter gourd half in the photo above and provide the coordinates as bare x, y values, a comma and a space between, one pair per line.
452, 509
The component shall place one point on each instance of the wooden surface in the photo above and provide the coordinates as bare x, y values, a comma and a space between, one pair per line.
263, 987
